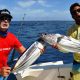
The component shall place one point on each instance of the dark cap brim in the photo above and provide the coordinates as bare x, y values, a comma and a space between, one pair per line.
6, 15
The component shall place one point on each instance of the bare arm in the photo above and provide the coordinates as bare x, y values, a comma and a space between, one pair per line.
21, 49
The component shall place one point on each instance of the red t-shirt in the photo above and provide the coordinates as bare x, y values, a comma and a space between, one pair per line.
6, 45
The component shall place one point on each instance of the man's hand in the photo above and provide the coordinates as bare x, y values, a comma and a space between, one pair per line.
5, 71
55, 46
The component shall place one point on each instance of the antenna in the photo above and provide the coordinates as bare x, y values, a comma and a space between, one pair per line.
23, 19
24, 16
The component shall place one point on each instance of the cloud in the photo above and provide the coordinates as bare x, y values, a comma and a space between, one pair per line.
31, 14
26, 3
60, 12
36, 12
40, 14
44, 3
48, 15
61, 15
29, 3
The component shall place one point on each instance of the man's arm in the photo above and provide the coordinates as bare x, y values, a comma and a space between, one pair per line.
21, 49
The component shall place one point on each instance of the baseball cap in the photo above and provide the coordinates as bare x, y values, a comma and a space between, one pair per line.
6, 13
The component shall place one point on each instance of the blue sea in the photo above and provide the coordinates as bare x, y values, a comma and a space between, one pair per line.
29, 31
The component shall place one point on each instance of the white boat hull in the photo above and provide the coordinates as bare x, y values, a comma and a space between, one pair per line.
46, 71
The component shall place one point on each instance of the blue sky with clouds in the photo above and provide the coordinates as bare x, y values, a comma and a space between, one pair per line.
39, 9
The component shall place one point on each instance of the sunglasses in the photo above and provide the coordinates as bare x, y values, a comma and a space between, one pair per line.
5, 18
76, 11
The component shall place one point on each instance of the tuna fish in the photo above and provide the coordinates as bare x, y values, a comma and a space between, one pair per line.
30, 55
64, 43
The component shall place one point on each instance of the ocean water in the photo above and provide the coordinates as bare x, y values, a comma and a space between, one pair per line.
29, 31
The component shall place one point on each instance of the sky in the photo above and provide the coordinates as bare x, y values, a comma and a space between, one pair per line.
34, 10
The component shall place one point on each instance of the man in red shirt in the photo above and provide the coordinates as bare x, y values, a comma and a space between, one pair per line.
8, 41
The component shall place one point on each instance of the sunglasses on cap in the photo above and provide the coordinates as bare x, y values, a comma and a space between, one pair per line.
76, 11
5, 18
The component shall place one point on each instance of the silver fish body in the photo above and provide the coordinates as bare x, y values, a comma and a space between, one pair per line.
64, 43
29, 56
51, 38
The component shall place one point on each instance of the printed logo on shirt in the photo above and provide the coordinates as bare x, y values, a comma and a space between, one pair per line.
4, 49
